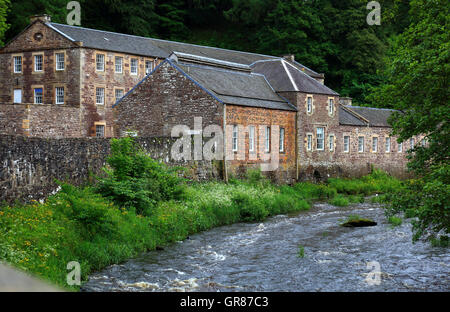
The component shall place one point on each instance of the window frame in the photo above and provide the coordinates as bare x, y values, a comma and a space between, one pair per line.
251, 139
331, 108
363, 144
309, 104
131, 66
63, 95
346, 147
97, 95
267, 137
14, 95
235, 139
282, 138
118, 57
322, 139
97, 55
34, 94
14, 64
387, 145
57, 62
147, 72
375, 146
103, 127
331, 143
309, 142
35, 63
115, 94
399, 147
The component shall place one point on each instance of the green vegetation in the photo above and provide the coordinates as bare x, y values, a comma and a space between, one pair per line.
357, 221
417, 85
4, 7
301, 251
395, 221
340, 201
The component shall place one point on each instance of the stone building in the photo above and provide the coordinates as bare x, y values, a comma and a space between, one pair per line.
63, 81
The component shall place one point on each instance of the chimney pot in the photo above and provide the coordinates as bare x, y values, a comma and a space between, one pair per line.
289, 57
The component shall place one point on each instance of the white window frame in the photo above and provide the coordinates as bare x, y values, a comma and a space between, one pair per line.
115, 94
41, 62
361, 147
282, 131
374, 144
17, 66
100, 95
411, 143
118, 64
134, 66
309, 139
41, 98
320, 139
331, 143
235, 139
400, 147
309, 104
148, 70
424, 142
388, 145
251, 139
331, 106
346, 144
58, 95
59, 62
267, 140
100, 60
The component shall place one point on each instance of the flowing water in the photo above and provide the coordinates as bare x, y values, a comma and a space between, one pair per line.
265, 257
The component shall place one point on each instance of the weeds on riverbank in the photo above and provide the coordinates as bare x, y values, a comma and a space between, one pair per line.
141, 204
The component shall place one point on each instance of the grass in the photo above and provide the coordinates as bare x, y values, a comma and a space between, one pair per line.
301, 251
77, 224
395, 221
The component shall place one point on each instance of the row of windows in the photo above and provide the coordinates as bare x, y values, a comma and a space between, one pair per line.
38, 63
252, 139
309, 105
100, 95
118, 64
320, 143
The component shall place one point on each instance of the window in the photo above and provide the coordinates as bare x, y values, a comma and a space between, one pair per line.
60, 61
361, 144
38, 96
346, 144
134, 66
309, 104
148, 67
400, 147
251, 139
320, 138
388, 145
281, 140
424, 143
119, 63
17, 64
411, 143
38, 62
309, 142
100, 131
100, 96
118, 94
59, 94
18, 96
331, 106
235, 138
100, 61
374, 144
331, 143
267, 140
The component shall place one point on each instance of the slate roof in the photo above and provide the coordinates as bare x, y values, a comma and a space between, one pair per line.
237, 88
376, 117
93, 38
285, 77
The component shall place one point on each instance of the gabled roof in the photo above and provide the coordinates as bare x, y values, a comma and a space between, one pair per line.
286, 77
230, 87
365, 116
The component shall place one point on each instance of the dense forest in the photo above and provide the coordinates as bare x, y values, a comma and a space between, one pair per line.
329, 36
403, 63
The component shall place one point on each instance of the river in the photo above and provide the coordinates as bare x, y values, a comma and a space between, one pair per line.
265, 257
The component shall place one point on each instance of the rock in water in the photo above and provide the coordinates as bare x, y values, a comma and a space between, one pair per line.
359, 223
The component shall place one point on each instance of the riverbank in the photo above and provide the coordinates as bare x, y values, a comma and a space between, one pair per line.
141, 205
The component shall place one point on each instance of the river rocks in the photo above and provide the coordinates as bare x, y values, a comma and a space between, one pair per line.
360, 222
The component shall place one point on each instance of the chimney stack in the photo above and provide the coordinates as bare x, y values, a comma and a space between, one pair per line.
345, 101
44, 18
289, 57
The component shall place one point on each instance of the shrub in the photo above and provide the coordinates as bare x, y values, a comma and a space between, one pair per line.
395, 221
250, 209
135, 180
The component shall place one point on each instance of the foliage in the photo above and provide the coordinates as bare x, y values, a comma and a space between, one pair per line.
4, 6
301, 251
395, 221
340, 201
135, 180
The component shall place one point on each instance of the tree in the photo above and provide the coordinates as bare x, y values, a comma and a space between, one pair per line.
4, 5
418, 85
